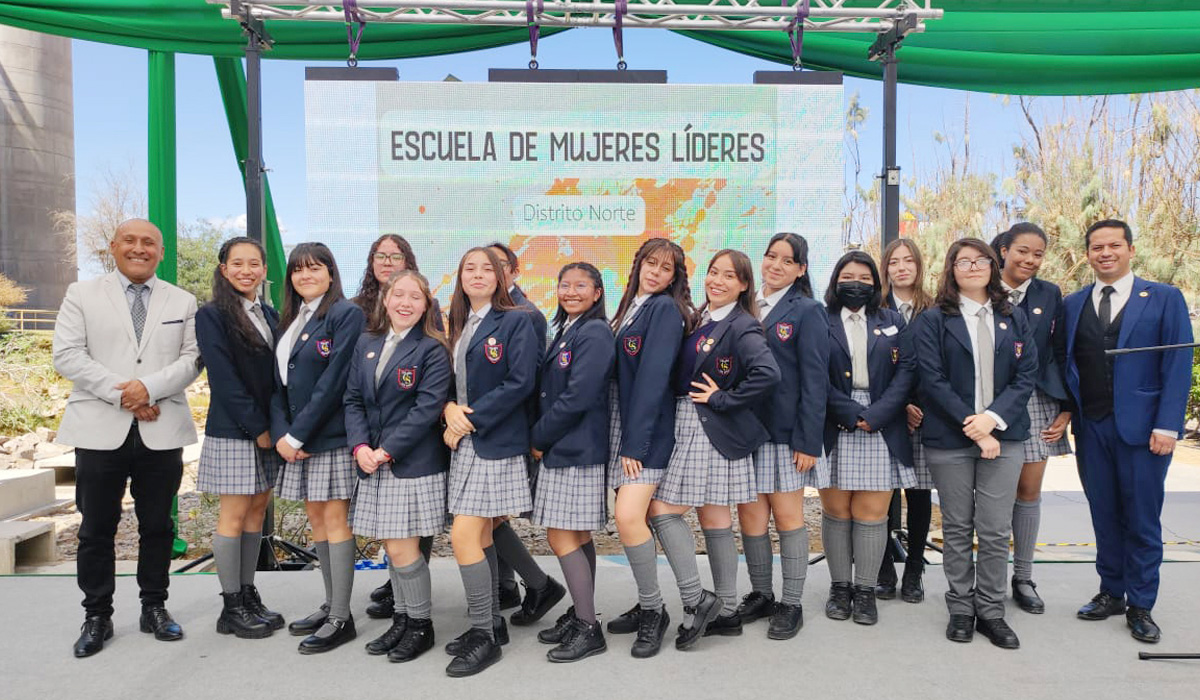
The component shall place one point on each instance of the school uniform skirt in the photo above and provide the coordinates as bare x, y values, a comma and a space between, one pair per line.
571, 498
325, 476
237, 467
861, 461
697, 474
920, 468
775, 470
391, 508
487, 488
616, 473
1043, 409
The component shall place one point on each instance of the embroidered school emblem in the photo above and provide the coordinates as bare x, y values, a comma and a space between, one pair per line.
406, 377
1018, 348
725, 365
895, 355
633, 345
783, 331
493, 350
564, 359
324, 347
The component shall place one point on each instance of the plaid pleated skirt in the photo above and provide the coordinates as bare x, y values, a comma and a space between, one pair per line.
697, 474
920, 468
616, 473
571, 498
775, 471
1043, 409
325, 476
487, 488
234, 466
861, 461
388, 508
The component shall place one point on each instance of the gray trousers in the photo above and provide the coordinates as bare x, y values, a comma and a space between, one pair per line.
976, 497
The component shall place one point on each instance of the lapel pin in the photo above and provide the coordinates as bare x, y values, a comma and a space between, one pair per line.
370, 354
1038, 310
1144, 294
1003, 326
304, 337
562, 344
878, 332
491, 341
847, 373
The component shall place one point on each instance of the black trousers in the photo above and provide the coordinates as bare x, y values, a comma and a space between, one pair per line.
100, 478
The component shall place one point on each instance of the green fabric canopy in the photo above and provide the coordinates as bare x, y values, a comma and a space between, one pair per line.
1064, 47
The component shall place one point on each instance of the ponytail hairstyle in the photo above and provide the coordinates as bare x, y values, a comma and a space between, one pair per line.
1003, 241
677, 289
744, 269
921, 299
229, 301
460, 304
800, 255
303, 255
948, 291
380, 324
597, 310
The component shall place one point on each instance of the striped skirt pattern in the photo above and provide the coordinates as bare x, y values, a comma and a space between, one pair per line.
571, 498
697, 473
1043, 409
487, 487
325, 476
861, 461
387, 508
775, 470
236, 467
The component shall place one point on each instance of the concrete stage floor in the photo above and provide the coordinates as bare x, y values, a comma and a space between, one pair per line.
904, 656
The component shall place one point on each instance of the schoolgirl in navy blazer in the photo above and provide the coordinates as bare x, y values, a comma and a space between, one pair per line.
572, 429
240, 378
797, 335
645, 355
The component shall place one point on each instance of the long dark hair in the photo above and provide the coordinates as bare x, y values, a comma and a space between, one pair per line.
948, 292
678, 288
1004, 240
428, 323
921, 299
744, 269
863, 258
460, 305
368, 295
597, 310
799, 254
303, 255
229, 301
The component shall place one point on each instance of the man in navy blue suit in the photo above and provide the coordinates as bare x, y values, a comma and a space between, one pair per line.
1125, 446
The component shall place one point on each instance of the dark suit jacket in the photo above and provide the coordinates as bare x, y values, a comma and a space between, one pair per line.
946, 368
402, 413
572, 428
240, 379
539, 319
645, 353
1150, 389
1043, 307
890, 377
798, 335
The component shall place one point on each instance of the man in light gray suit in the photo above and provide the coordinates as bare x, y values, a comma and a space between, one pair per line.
128, 342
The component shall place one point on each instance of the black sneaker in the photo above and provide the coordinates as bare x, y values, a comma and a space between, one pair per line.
582, 640
786, 621
384, 591
555, 634
703, 612
417, 639
476, 652
499, 633
625, 623
912, 589
725, 626
538, 602
510, 595
652, 627
865, 612
755, 606
838, 607
390, 638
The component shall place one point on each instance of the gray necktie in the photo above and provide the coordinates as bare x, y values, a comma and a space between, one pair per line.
906, 311
389, 347
138, 310
858, 351
460, 359
1106, 307
301, 320
261, 324
985, 359
1014, 297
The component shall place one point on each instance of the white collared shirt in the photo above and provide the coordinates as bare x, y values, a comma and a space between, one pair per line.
718, 315
259, 324
970, 310
772, 300
856, 381
480, 314
129, 296
901, 303
284, 350
570, 322
1122, 290
399, 336
631, 312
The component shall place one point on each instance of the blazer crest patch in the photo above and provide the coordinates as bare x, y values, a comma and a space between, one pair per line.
325, 347
564, 359
895, 355
1018, 349
783, 331
406, 377
493, 350
632, 345
725, 365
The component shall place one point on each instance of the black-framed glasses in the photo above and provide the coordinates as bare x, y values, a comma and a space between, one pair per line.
384, 257
976, 264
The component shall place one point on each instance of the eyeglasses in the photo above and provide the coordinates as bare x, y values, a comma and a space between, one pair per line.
976, 264
384, 257
578, 288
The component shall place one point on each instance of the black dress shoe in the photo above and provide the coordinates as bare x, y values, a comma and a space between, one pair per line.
236, 619
382, 609
912, 590
1102, 607
307, 625
477, 652
652, 627
581, 641
865, 611
703, 612
510, 595
961, 628
1026, 597
254, 604
786, 621
627, 622
1142, 626
95, 631
156, 619
499, 633
725, 626
838, 607
755, 606
538, 602
335, 632
998, 632
390, 638
418, 639
384, 591
555, 634
885, 591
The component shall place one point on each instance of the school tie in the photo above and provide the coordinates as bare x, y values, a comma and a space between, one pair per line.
301, 320
460, 358
858, 351
389, 347
1106, 307
261, 323
985, 359
906, 311
1014, 297
138, 310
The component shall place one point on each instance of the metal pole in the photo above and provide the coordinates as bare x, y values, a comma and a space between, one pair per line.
890, 184
161, 151
255, 213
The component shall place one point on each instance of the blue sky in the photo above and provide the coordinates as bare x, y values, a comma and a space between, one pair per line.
110, 113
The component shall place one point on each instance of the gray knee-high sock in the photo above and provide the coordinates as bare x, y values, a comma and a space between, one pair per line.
1027, 516
489, 555
679, 544
589, 551
759, 561
400, 607
835, 536
413, 581
643, 561
723, 562
227, 551
478, 585
870, 538
512, 550
322, 547
341, 569
793, 559
251, 544
580, 583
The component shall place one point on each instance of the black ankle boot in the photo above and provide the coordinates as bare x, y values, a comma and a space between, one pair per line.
583, 640
556, 634
237, 620
417, 639
390, 638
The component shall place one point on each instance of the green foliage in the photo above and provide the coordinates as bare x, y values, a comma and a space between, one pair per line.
198, 244
10, 295
31, 392
1193, 405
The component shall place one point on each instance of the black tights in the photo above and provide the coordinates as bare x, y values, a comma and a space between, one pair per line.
920, 510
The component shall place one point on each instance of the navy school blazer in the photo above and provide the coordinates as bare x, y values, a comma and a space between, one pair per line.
947, 375
798, 335
572, 427
645, 352
403, 412
502, 366
539, 319
735, 355
1043, 307
310, 406
890, 376
240, 379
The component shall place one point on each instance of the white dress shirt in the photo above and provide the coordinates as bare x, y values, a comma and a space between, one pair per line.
1023, 288
718, 315
771, 301
1122, 290
284, 351
260, 324
901, 302
480, 315
970, 311
860, 377
631, 312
